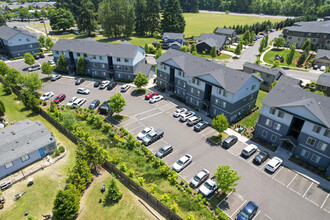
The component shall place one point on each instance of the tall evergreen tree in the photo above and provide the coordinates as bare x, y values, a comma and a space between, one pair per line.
140, 17
152, 15
117, 18
173, 20
87, 18
129, 22
104, 16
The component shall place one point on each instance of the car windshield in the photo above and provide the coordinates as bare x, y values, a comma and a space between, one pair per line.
148, 136
57, 98
244, 214
208, 186
196, 178
198, 125
180, 162
161, 150
144, 132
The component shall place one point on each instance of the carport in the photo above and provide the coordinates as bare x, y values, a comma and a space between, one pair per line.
288, 143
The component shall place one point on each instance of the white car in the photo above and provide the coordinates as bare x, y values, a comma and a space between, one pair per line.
55, 77
186, 115
199, 178
144, 132
156, 98
34, 67
124, 88
71, 101
322, 68
79, 102
208, 188
46, 96
274, 164
249, 150
83, 91
182, 163
104, 84
51, 62
179, 111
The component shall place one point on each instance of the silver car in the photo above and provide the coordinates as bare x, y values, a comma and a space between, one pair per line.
182, 163
199, 178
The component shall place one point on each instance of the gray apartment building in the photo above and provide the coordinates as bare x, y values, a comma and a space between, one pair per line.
207, 85
22, 144
15, 42
298, 121
323, 83
104, 60
317, 31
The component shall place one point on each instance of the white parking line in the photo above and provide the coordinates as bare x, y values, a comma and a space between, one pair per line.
267, 216
292, 180
251, 159
135, 120
145, 112
312, 202
257, 214
295, 191
224, 198
277, 173
324, 201
238, 209
151, 116
263, 167
307, 190
279, 182
326, 211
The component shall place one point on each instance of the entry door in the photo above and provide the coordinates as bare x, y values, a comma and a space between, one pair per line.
41, 152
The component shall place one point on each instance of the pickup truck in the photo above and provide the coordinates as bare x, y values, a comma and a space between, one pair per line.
152, 136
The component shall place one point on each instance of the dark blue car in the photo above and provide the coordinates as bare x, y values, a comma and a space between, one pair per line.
248, 212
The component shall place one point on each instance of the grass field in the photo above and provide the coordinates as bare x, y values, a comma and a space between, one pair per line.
223, 56
269, 56
207, 22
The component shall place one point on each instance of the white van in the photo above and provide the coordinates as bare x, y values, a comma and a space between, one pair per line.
249, 150
193, 120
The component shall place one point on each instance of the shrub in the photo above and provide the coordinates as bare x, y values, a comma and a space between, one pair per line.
156, 163
172, 177
123, 167
152, 188
114, 193
165, 170
44, 103
141, 180
57, 152
131, 172
182, 182
115, 158
175, 207
140, 161
61, 149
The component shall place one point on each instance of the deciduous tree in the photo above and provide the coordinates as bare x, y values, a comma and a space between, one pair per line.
306, 44
61, 19
31, 82
2, 108
290, 56
81, 65
117, 103
41, 40
279, 42
140, 80
69, 119
12, 76
276, 64
159, 52
3, 68
46, 68
29, 59
49, 43
220, 123
61, 63
226, 178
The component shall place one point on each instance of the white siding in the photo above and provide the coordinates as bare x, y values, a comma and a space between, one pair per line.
140, 55
308, 129
246, 89
303, 112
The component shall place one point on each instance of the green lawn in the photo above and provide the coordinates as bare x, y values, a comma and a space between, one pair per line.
269, 56
223, 56
207, 22
250, 121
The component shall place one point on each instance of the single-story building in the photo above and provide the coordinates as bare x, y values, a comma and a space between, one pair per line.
323, 83
322, 58
22, 144
207, 41
172, 37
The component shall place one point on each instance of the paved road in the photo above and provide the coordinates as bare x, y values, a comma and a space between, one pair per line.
250, 15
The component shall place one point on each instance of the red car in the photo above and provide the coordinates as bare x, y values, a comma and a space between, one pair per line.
59, 98
150, 95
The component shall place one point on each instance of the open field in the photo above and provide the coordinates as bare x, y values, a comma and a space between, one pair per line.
270, 55
223, 56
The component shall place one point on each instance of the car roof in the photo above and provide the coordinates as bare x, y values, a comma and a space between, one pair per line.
250, 207
211, 182
184, 158
167, 146
274, 161
230, 138
96, 100
201, 173
250, 147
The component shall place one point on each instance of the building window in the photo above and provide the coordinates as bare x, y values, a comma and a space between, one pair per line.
225, 93
253, 87
19, 39
214, 112
304, 153
119, 76
119, 67
223, 104
102, 65
179, 73
217, 101
101, 58
118, 59
198, 92
272, 111
310, 141
31, 45
193, 80
127, 68
315, 158
268, 122
95, 65
9, 164
191, 100
317, 129
322, 146
191, 89
273, 138
78, 54
28, 39
327, 133
25, 157
264, 133
128, 76
94, 57
251, 97
277, 126
126, 60
56, 52
85, 54
280, 114
219, 91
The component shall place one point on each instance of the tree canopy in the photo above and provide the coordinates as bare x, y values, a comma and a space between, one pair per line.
29, 59
226, 178
140, 80
61, 19
220, 123
86, 20
279, 42
81, 65
30, 81
66, 204
117, 103
46, 68
172, 19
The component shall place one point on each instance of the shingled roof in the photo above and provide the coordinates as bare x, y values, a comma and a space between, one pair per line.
22, 138
289, 80
311, 27
96, 48
324, 80
264, 69
173, 35
224, 31
212, 40
283, 95
230, 79
322, 54
6, 32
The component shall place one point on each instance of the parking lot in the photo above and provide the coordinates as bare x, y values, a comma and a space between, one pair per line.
282, 195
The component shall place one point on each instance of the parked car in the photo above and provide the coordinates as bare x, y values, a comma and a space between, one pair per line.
55, 77
79, 81
152, 136
164, 151
229, 141
104, 84
156, 98
199, 178
144, 132
182, 163
79, 102
193, 120
34, 67
51, 62
94, 104
249, 150
274, 164
261, 157
71, 101
105, 109
179, 111
315, 67
184, 117
83, 91
322, 68
36, 57
59, 98
150, 95
208, 188
124, 88
41, 55
248, 212
201, 125
111, 85
97, 84
46, 96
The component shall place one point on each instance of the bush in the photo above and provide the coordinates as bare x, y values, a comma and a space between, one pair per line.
44, 103
123, 167
175, 207
141, 180
114, 193
61, 149
131, 173
57, 152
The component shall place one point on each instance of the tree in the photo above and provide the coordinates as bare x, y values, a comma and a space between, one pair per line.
193, 48
226, 179
290, 56
37, 13
319, 92
2, 108
104, 15
3, 68
213, 52
246, 35
237, 50
46, 68
12, 76
87, 18
24, 13
279, 42
261, 46
302, 58
327, 69
61, 19
117, 103
140, 19
2, 20
152, 16
184, 49
29, 59
172, 18
158, 46
41, 40
66, 204
252, 36
220, 123
306, 44
81, 65
69, 119
158, 53
146, 48
61, 63
31, 81
80, 175
114, 193
273, 84
140, 80
44, 12
129, 22
49, 43
276, 64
